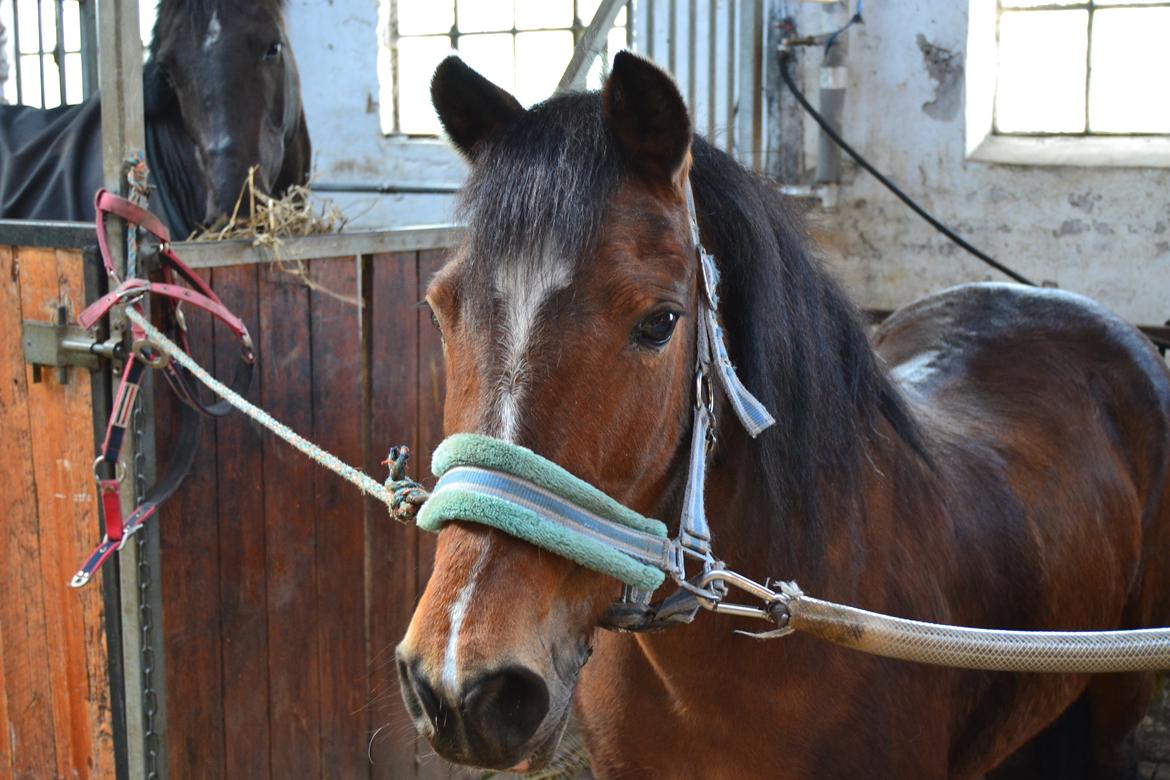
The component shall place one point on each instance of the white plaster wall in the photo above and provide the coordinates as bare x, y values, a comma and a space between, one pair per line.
336, 45
1101, 231
1104, 232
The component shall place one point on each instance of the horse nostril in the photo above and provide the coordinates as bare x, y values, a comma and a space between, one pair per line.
504, 709
418, 695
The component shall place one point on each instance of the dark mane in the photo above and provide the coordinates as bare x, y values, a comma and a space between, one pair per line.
546, 182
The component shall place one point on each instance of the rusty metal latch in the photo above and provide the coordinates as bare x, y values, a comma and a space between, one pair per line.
62, 346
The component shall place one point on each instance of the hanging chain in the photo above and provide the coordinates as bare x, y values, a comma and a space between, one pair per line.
145, 612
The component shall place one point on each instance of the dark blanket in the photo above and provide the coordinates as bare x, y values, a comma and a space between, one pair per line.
50, 161
51, 165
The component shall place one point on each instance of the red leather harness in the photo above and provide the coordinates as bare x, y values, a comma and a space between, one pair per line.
130, 292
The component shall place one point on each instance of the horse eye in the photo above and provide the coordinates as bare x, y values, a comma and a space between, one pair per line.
274, 50
656, 330
435, 322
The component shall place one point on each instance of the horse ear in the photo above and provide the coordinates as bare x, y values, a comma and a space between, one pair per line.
470, 107
644, 109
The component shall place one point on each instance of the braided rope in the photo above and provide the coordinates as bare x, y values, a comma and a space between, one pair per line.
870, 632
138, 190
402, 495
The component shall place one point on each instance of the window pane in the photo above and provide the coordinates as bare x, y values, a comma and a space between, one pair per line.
72, 23
533, 14
30, 79
418, 58
492, 56
1127, 82
27, 15
541, 59
73, 78
429, 17
1129, 2
1041, 81
485, 15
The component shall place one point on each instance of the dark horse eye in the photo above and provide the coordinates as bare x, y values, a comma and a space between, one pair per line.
656, 330
274, 50
435, 322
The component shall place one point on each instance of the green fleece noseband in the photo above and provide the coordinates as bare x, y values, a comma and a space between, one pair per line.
514, 490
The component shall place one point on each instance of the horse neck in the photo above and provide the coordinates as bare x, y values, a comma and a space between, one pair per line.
829, 554
180, 191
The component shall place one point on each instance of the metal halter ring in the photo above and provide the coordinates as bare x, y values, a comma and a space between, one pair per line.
149, 354
119, 469
704, 398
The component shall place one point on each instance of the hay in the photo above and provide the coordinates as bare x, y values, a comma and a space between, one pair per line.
270, 221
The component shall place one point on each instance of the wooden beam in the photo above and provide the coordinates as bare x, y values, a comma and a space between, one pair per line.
589, 46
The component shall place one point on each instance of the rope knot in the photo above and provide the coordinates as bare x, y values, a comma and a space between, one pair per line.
406, 495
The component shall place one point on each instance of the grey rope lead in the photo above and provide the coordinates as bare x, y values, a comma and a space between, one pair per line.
788, 607
1079, 652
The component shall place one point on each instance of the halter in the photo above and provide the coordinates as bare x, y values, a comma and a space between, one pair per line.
516, 491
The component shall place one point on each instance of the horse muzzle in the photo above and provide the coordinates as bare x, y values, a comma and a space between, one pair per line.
490, 722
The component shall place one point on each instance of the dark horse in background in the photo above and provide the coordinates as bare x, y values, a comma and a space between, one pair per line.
996, 456
221, 94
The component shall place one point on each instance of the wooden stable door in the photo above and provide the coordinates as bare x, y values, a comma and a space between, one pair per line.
55, 716
284, 591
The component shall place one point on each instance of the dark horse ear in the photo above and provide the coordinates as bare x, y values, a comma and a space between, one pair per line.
470, 107
643, 107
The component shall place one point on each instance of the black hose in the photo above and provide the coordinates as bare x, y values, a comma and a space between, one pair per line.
785, 60
786, 75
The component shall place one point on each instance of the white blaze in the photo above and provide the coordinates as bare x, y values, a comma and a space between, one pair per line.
524, 292
213, 30
458, 613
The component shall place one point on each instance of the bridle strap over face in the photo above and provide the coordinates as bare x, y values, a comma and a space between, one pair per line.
633, 611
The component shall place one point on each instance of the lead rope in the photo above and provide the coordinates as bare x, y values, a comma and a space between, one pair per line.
786, 606
401, 495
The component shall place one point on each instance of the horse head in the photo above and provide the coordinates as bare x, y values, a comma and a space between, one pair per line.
568, 320
224, 70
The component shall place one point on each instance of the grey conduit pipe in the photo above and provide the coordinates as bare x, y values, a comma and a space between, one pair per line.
1081, 652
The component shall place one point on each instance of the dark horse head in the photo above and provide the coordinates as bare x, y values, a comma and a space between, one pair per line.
222, 76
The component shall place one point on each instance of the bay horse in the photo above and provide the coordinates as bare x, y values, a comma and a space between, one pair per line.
993, 456
221, 93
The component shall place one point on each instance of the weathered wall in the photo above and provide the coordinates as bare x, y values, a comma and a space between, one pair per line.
336, 49
1101, 231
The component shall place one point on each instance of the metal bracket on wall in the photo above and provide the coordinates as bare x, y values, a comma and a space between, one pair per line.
63, 346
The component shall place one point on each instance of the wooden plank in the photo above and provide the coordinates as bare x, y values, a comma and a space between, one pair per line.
289, 509
341, 637
6, 766
67, 511
189, 544
242, 579
26, 673
431, 390
209, 254
391, 554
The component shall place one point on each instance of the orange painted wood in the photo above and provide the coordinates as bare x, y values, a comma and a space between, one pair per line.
26, 672
56, 689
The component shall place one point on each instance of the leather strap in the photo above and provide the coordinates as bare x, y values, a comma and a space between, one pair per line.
199, 295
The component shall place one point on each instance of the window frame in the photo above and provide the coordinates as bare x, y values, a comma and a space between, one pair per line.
984, 144
389, 37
